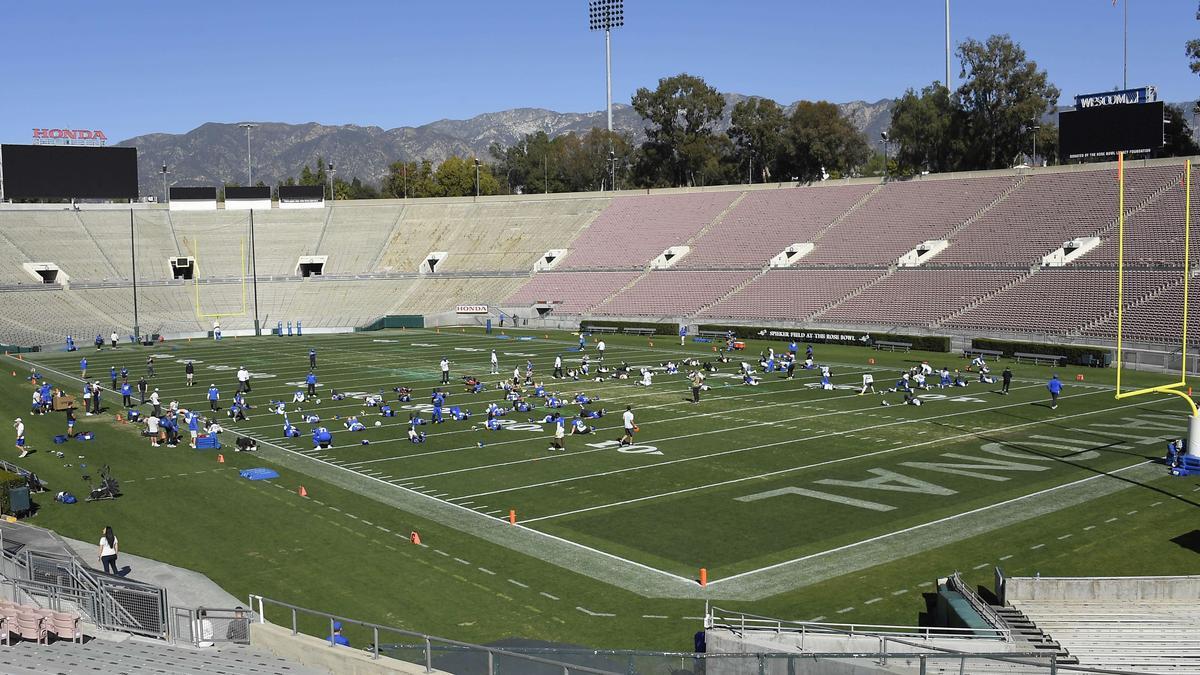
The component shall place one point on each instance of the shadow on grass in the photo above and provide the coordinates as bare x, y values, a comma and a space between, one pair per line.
1189, 540
1113, 447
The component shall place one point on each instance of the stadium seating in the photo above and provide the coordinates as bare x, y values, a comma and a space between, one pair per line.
989, 277
1047, 209
632, 231
576, 292
766, 222
671, 293
918, 297
1056, 301
790, 294
902, 215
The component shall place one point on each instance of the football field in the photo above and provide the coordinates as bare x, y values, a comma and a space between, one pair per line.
769, 488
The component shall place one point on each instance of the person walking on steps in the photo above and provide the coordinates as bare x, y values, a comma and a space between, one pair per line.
108, 550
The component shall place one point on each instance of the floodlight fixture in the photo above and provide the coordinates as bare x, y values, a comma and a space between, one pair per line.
606, 15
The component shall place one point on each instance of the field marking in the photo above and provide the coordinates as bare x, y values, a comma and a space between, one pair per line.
517, 583
931, 523
591, 613
545, 594
805, 466
902, 591
698, 457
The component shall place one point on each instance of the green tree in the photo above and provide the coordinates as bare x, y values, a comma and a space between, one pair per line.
821, 140
1180, 141
680, 115
1002, 92
1193, 53
455, 177
926, 131
757, 131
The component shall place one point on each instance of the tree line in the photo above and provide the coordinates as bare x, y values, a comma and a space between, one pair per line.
999, 116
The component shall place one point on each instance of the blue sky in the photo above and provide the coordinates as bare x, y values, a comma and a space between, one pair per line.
134, 67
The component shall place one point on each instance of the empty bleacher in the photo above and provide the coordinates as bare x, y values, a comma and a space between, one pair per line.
1048, 209
136, 656
1056, 301
766, 222
632, 231
672, 293
573, 292
790, 294
918, 297
902, 215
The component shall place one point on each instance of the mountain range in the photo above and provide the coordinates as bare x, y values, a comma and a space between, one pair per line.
215, 153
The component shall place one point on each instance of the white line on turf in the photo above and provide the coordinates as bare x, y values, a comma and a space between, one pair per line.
788, 470
924, 525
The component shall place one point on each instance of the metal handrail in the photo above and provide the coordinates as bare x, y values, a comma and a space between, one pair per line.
744, 620
426, 639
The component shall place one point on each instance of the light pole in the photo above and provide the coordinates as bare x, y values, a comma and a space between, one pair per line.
249, 171
1033, 128
606, 15
166, 195
886, 141
476, 178
612, 163
331, 171
947, 45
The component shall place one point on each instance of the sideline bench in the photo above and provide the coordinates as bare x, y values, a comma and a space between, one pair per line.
893, 346
638, 331
712, 333
991, 353
1038, 359
602, 329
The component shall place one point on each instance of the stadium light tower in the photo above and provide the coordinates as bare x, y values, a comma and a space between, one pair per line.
331, 172
606, 15
249, 171
476, 178
166, 195
947, 45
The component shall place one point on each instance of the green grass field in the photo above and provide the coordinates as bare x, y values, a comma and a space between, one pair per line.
799, 502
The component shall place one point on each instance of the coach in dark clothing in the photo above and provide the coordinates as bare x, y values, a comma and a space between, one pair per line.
142, 385
1006, 378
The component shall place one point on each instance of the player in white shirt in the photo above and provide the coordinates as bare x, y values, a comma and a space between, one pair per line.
19, 425
630, 427
495, 363
868, 383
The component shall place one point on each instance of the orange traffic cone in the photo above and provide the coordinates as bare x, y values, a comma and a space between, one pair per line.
120, 418
512, 516
415, 538
1079, 377
1189, 391
220, 459
871, 361
703, 577
302, 492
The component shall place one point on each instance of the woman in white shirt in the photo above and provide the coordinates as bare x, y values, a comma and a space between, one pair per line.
108, 551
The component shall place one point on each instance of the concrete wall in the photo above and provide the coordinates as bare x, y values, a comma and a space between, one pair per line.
316, 653
1080, 589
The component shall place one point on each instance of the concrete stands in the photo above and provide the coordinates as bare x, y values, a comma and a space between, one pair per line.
1142, 624
632, 231
903, 214
918, 297
790, 294
766, 222
134, 656
672, 293
1057, 300
1047, 209
576, 291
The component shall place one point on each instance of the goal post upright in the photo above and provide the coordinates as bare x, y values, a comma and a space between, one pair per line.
1177, 388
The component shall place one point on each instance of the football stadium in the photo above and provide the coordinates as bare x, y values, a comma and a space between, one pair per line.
901, 420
